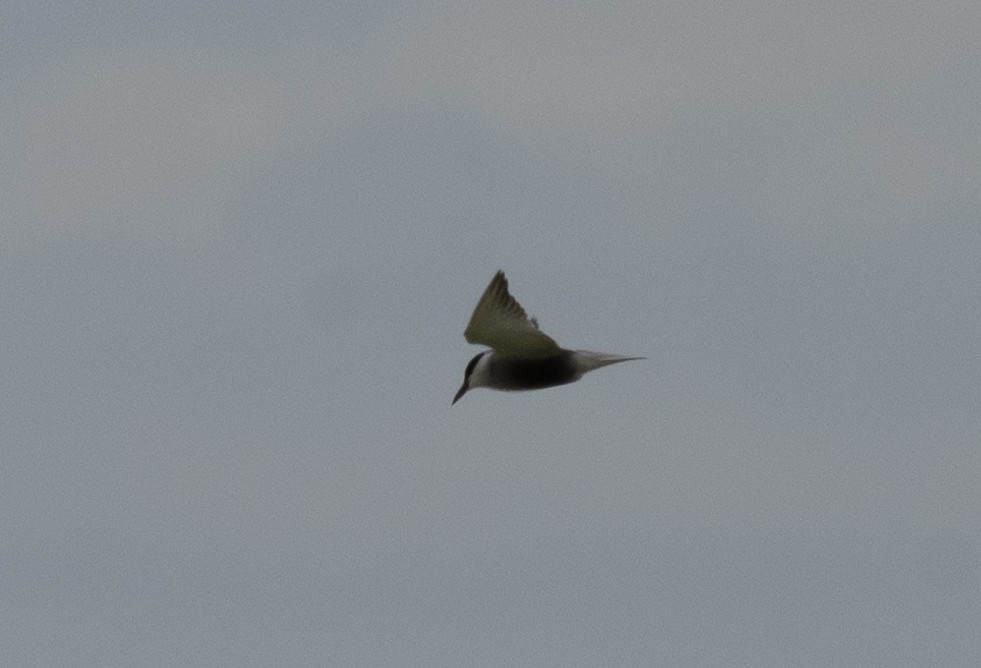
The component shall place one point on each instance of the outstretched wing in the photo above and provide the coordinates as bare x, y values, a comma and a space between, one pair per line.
499, 321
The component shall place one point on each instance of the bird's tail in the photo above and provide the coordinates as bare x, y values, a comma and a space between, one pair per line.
587, 360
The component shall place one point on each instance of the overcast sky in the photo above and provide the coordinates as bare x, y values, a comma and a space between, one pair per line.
239, 244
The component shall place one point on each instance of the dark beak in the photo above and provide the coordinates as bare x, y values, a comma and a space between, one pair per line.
463, 390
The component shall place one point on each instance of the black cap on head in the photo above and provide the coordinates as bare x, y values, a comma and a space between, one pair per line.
466, 377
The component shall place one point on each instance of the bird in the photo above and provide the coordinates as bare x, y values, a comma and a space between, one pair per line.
521, 356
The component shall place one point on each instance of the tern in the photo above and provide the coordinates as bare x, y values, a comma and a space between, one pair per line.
522, 357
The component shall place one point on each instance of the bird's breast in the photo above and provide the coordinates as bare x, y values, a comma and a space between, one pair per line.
532, 373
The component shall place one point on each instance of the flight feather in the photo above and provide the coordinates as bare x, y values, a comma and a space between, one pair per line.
499, 321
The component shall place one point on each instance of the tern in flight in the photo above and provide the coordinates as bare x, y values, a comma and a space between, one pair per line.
522, 357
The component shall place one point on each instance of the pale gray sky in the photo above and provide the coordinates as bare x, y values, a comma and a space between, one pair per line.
240, 243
